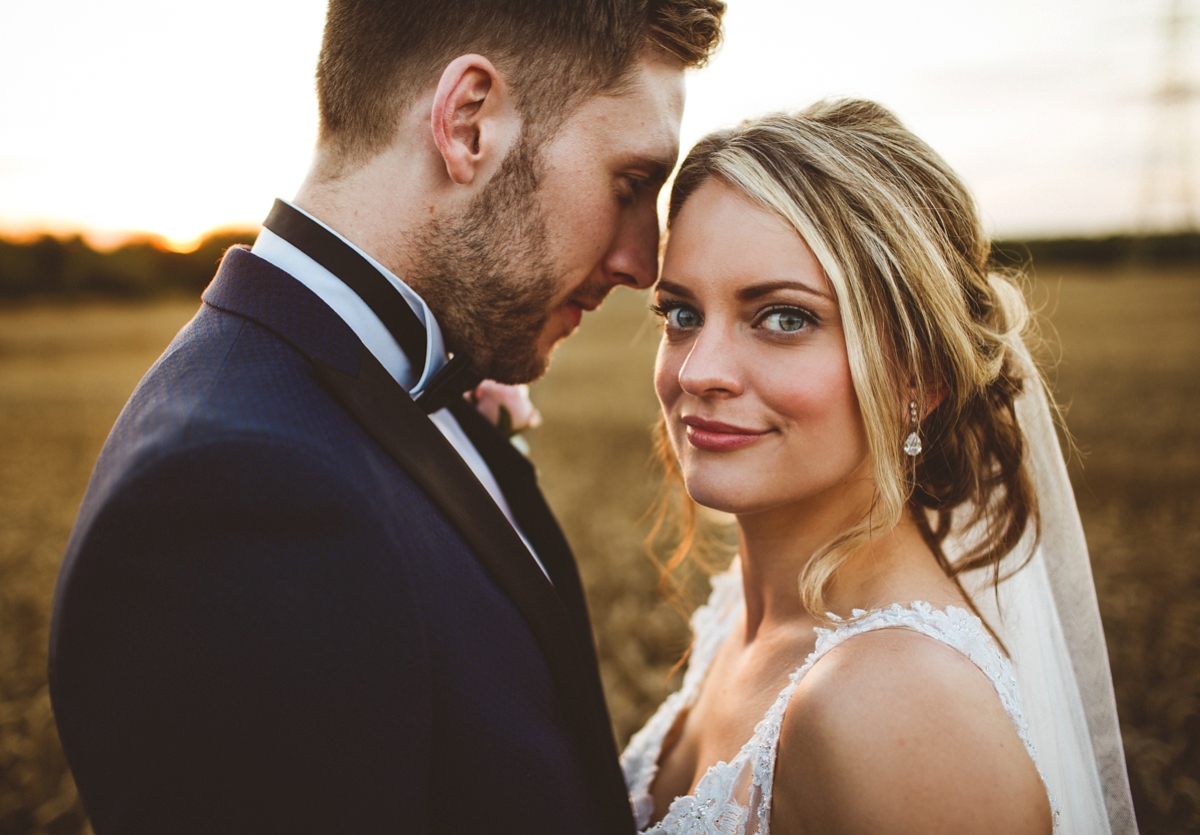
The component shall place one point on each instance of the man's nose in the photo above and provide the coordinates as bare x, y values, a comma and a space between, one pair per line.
633, 258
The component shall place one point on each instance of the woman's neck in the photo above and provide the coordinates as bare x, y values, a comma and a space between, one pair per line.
776, 546
777, 543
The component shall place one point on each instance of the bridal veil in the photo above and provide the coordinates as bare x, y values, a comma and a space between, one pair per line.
1047, 615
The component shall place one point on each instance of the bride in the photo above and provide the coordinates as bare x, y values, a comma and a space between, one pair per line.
909, 640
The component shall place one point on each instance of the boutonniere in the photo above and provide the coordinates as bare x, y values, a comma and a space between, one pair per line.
508, 408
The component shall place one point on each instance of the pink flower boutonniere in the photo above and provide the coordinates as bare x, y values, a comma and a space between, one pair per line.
507, 407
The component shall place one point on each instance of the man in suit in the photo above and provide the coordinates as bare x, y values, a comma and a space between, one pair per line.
310, 589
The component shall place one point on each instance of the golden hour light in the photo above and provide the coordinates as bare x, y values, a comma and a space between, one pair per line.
135, 118
385, 496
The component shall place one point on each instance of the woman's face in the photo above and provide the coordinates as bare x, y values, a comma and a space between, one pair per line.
752, 371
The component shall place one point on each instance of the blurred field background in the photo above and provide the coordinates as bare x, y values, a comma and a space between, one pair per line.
1128, 343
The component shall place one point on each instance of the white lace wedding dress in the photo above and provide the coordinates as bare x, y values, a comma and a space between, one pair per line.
734, 798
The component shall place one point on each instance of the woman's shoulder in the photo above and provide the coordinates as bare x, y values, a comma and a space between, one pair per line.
861, 669
893, 730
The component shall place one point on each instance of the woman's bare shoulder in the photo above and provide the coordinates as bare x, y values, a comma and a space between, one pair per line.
895, 731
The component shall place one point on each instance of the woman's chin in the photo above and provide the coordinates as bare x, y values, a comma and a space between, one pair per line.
720, 498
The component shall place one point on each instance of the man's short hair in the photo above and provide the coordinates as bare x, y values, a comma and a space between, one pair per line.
379, 55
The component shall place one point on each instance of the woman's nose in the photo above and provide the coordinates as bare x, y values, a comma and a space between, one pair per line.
711, 367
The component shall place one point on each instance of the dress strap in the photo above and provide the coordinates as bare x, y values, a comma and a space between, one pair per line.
952, 626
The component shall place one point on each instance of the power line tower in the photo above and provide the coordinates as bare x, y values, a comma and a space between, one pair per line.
1168, 189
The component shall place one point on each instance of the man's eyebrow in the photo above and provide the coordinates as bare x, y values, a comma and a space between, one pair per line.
657, 168
759, 290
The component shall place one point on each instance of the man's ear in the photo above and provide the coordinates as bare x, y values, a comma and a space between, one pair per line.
473, 116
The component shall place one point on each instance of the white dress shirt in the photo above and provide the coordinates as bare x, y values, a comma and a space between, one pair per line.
380, 342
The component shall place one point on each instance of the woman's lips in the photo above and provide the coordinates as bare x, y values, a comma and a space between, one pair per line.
714, 436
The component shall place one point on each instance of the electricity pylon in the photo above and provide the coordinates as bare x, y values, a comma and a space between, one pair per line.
1168, 188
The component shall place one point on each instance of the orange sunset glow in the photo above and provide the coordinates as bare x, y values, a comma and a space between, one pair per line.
135, 116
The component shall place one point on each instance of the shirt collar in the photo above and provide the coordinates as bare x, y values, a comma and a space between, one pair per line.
354, 311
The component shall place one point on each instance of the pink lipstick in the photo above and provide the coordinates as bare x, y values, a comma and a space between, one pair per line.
714, 436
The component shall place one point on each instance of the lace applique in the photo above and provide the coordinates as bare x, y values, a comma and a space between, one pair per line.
734, 798
711, 625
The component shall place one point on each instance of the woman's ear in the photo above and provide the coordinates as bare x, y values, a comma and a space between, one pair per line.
473, 117
933, 399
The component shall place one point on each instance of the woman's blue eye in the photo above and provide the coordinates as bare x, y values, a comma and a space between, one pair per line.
682, 317
786, 321
678, 316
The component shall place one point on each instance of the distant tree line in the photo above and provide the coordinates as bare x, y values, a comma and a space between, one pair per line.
1149, 250
50, 266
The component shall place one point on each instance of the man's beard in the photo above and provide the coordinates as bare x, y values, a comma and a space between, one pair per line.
488, 276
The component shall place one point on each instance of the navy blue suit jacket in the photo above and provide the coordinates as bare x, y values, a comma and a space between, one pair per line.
287, 606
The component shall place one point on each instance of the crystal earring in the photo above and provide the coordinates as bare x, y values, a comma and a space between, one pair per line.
912, 444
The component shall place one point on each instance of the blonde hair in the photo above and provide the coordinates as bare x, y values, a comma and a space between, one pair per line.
899, 239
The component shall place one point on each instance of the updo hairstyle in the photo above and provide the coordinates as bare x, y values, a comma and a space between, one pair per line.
898, 236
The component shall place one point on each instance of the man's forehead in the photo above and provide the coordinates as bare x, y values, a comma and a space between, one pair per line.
656, 87
645, 115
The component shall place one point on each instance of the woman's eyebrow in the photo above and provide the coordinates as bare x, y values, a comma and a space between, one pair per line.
756, 291
674, 289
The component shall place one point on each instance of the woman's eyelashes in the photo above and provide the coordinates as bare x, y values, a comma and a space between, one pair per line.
786, 319
782, 320
678, 316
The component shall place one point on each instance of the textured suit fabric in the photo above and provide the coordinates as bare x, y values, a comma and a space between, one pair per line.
264, 625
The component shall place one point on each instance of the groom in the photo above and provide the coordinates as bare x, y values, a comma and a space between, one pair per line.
310, 589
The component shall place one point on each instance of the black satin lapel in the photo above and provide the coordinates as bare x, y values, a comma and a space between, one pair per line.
518, 480
399, 426
387, 412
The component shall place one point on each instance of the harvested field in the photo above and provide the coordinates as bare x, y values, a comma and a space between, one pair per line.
1129, 373
1126, 352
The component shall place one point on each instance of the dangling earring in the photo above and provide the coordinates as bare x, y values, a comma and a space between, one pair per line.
912, 444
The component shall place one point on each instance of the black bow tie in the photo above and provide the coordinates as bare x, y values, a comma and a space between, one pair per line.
332, 253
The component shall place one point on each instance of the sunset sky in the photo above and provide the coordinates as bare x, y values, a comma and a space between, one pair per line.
178, 118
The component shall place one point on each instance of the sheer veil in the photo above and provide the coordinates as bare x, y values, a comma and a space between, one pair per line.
1047, 615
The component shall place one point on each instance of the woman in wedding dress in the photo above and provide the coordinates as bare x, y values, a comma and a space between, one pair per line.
908, 640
